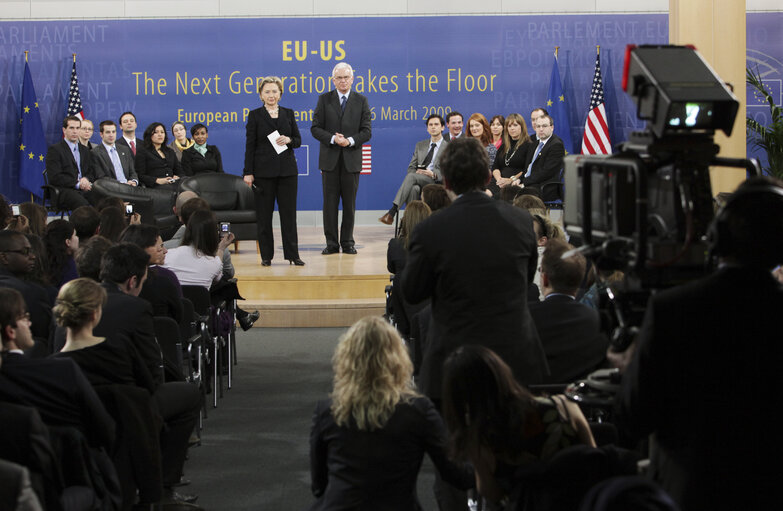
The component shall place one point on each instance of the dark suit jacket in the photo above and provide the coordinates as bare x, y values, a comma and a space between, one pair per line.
132, 317
475, 259
36, 300
261, 159
59, 391
328, 119
103, 167
353, 469
420, 153
150, 166
547, 166
121, 141
61, 169
707, 356
571, 335
193, 163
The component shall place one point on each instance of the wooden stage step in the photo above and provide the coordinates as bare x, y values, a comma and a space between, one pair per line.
329, 291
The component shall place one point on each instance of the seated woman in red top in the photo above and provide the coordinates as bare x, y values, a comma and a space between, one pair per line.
367, 443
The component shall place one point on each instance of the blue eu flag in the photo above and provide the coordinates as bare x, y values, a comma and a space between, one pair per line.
556, 106
32, 146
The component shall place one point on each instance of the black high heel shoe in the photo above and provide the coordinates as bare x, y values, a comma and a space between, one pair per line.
266, 262
296, 261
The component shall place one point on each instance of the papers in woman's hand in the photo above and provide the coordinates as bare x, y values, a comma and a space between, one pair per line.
273, 140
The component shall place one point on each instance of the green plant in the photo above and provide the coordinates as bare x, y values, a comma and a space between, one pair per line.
770, 137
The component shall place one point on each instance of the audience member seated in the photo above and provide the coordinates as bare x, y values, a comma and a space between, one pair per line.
509, 193
423, 168
113, 222
156, 164
367, 443
5, 212
88, 257
68, 168
185, 210
112, 160
85, 221
56, 388
16, 262
478, 128
529, 202
114, 360
162, 288
36, 216
61, 243
123, 272
570, 332
509, 165
496, 128
181, 141
201, 158
435, 196
498, 426
19, 223
397, 256
544, 163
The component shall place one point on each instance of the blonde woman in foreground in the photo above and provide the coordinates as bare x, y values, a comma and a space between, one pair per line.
368, 441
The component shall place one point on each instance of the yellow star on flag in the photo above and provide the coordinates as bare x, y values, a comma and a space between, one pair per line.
27, 109
36, 104
548, 102
40, 157
21, 147
562, 98
31, 155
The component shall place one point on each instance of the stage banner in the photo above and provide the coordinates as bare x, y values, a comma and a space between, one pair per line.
206, 70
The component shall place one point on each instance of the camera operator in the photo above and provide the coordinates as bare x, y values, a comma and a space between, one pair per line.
705, 363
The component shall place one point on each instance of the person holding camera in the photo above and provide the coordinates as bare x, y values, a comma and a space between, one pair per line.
270, 169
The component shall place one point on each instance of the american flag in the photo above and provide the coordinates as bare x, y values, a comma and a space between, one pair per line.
74, 99
366, 159
596, 137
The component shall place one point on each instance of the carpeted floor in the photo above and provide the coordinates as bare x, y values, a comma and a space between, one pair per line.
254, 453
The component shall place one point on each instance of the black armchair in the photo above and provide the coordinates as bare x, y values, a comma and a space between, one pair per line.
230, 198
154, 205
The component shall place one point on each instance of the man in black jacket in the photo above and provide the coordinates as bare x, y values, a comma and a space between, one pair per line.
69, 167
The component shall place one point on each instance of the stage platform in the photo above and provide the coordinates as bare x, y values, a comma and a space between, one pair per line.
329, 291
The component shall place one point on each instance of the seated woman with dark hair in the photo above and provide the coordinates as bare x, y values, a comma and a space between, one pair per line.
201, 158
162, 288
498, 425
61, 244
367, 443
435, 196
509, 164
156, 164
397, 252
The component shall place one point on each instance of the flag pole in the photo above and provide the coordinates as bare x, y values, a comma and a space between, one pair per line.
597, 50
74, 58
557, 49
25, 55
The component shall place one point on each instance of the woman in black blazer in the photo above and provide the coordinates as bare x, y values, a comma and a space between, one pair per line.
273, 176
201, 158
156, 164
368, 441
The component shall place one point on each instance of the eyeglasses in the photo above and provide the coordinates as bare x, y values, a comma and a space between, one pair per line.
342, 78
26, 251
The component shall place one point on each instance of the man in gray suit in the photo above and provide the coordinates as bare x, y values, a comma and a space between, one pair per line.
423, 168
341, 123
112, 160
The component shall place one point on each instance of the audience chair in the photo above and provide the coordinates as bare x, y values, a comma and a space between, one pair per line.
51, 198
167, 333
553, 189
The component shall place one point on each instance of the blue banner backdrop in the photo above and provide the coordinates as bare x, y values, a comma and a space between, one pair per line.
206, 71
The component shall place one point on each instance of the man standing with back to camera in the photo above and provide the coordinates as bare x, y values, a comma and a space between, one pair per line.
341, 123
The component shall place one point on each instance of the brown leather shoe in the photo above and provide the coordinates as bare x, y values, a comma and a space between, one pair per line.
386, 219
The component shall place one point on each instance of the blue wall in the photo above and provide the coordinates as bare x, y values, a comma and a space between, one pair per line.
408, 67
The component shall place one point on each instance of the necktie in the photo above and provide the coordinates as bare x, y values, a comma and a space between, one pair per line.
535, 155
133, 147
428, 158
343, 100
115, 160
77, 157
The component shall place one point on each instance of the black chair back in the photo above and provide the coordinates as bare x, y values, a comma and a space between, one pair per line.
199, 297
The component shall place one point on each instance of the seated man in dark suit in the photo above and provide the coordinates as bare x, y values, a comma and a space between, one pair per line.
546, 161
113, 161
423, 169
17, 260
69, 168
55, 387
123, 272
128, 138
569, 331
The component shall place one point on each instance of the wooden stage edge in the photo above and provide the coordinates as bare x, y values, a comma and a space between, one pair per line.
329, 291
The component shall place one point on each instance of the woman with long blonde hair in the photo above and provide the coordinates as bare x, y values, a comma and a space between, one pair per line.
368, 441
